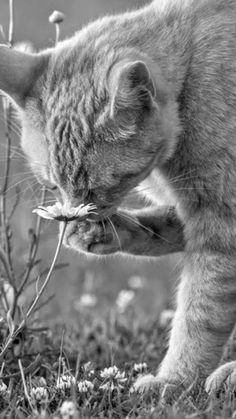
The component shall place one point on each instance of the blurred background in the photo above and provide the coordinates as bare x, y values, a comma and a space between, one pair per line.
84, 284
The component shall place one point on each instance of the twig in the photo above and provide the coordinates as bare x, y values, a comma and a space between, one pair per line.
44, 303
49, 273
24, 384
28, 370
14, 206
7, 121
32, 255
11, 22
60, 357
13, 335
4, 260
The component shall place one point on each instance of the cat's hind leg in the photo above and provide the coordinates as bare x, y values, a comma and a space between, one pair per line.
223, 375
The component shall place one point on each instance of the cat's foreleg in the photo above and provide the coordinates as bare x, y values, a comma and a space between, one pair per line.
143, 233
203, 321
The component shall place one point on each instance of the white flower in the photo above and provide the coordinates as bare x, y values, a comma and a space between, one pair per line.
136, 282
68, 410
124, 299
65, 212
86, 300
65, 381
39, 394
85, 386
3, 387
166, 317
88, 369
140, 368
56, 17
115, 378
109, 372
109, 385
42, 382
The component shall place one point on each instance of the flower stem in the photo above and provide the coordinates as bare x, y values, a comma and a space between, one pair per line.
12, 336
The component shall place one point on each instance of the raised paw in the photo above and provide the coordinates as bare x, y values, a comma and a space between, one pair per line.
224, 375
91, 237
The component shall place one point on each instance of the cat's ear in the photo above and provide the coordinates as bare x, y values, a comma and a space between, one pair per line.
132, 87
19, 72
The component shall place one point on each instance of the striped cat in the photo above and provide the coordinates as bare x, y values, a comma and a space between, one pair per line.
147, 99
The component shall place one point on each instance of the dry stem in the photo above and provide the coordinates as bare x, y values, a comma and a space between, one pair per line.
13, 335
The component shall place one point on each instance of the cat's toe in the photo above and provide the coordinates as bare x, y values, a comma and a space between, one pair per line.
166, 391
225, 375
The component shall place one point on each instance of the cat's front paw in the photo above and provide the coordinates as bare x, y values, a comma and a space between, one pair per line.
225, 375
90, 237
167, 391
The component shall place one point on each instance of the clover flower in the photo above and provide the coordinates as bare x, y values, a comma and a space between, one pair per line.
140, 368
124, 299
68, 410
65, 212
39, 394
65, 381
114, 378
85, 386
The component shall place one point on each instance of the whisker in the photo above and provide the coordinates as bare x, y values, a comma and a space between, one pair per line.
18, 183
104, 228
135, 222
13, 123
115, 232
18, 174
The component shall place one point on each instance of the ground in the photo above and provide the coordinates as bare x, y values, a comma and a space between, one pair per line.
64, 370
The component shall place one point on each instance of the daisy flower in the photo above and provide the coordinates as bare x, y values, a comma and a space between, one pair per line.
65, 212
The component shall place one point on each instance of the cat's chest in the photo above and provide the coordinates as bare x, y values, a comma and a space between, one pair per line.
158, 190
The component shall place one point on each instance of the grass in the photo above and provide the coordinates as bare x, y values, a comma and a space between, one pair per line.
87, 368
62, 365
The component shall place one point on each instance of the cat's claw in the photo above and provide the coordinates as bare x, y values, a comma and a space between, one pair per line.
224, 375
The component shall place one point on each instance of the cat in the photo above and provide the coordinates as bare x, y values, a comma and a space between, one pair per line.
147, 100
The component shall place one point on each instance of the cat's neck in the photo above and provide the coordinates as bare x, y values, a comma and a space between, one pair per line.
166, 38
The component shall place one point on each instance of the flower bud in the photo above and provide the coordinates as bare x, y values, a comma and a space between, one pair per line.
56, 17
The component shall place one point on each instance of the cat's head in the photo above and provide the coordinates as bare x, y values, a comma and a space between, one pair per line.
94, 124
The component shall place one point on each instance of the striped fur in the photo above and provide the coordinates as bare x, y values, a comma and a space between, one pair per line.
147, 98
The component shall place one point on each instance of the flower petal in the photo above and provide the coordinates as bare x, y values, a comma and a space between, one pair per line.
42, 213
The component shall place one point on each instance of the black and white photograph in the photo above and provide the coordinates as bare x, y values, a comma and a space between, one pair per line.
118, 209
